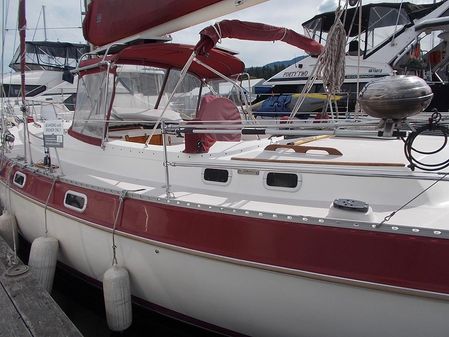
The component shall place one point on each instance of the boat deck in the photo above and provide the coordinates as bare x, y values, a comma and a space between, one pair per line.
368, 169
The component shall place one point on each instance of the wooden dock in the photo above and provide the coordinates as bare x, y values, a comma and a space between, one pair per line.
26, 309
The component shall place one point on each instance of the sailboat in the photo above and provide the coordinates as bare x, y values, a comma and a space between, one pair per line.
242, 227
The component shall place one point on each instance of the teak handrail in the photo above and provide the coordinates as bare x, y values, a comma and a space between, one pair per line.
304, 149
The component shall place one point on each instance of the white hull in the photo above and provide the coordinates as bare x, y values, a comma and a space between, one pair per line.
250, 299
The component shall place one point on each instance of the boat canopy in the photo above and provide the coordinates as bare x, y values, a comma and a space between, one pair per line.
255, 32
46, 55
108, 21
140, 83
174, 55
371, 14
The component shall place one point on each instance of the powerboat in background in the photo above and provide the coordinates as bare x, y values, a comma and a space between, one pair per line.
392, 39
47, 65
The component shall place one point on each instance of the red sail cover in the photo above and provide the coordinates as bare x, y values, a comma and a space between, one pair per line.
107, 21
255, 32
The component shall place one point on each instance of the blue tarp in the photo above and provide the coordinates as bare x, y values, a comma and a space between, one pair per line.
276, 104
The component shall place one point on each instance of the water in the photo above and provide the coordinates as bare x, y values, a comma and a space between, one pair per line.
83, 304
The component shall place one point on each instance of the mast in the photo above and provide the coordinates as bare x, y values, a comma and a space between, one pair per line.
86, 6
2, 92
22, 32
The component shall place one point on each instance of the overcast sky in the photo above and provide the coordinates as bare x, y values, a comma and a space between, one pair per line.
63, 18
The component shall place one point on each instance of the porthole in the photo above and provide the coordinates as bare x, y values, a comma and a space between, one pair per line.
216, 176
75, 201
19, 179
282, 181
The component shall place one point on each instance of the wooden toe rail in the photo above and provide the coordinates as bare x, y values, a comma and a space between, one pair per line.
304, 149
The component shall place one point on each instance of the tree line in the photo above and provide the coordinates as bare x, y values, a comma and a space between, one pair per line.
266, 71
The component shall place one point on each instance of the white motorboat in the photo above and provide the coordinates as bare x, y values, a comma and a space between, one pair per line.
47, 66
392, 37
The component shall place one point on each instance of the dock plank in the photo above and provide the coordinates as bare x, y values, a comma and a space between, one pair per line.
11, 323
26, 308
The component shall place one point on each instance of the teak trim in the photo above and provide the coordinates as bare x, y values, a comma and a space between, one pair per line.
304, 149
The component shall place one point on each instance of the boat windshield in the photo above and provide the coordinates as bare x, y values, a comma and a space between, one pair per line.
379, 23
92, 103
137, 90
383, 23
142, 92
186, 96
47, 55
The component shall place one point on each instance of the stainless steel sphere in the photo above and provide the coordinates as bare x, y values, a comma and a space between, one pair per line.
395, 97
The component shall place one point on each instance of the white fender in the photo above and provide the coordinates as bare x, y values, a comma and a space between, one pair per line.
42, 262
117, 298
8, 229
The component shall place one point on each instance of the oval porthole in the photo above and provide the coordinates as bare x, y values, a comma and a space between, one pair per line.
75, 201
216, 176
19, 179
283, 181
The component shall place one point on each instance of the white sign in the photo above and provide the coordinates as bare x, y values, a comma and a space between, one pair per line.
53, 128
53, 133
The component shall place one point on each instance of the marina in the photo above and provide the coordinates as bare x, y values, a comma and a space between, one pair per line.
169, 193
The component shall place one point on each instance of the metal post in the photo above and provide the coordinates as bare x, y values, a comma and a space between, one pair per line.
167, 174
357, 105
393, 40
182, 75
22, 32
106, 107
45, 22
2, 93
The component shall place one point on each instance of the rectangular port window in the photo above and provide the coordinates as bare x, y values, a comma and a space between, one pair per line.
19, 179
216, 176
75, 201
283, 181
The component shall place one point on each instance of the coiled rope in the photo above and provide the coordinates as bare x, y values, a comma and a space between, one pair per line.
331, 68
434, 128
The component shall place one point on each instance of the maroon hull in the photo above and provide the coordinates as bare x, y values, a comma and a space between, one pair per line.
356, 254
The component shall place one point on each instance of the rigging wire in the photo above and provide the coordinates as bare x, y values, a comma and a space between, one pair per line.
48, 28
37, 23
392, 214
